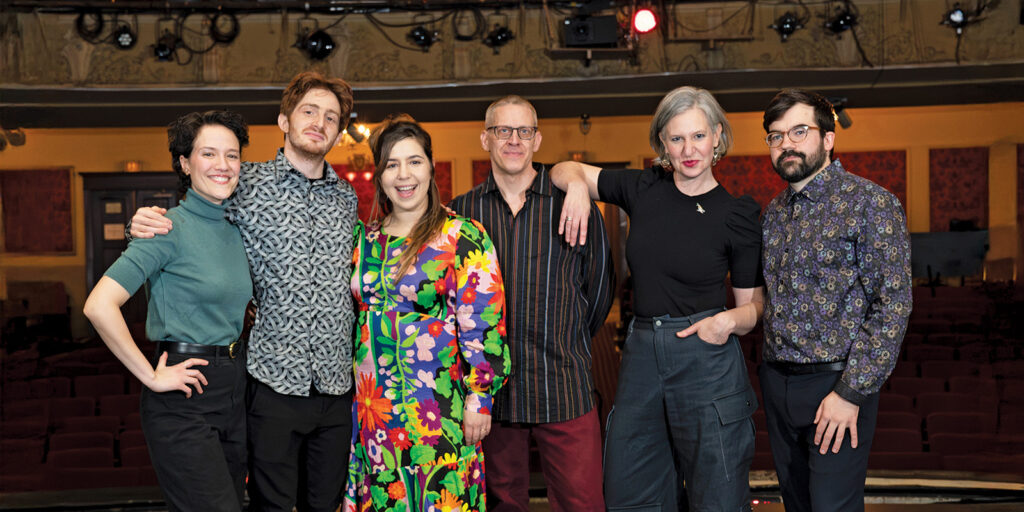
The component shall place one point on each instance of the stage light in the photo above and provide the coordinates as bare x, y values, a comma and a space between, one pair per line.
839, 108
223, 28
422, 37
956, 18
498, 37
318, 45
644, 20
164, 48
843, 20
124, 37
16, 136
353, 129
786, 25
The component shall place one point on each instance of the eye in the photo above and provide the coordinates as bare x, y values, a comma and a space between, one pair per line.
675, 139
332, 119
698, 136
391, 165
504, 130
799, 131
774, 137
234, 156
207, 154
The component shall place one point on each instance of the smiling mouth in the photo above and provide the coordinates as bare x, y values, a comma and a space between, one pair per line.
220, 180
405, 191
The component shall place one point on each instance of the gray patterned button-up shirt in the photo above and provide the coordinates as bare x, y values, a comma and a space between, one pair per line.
837, 276
298, 237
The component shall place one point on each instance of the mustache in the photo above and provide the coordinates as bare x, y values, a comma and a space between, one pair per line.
788, 153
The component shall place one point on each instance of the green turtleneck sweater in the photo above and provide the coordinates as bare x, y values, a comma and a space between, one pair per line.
197, 276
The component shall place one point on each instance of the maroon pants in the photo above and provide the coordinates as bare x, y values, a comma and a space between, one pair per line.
570, 455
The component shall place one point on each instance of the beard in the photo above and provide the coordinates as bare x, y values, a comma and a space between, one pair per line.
794, 172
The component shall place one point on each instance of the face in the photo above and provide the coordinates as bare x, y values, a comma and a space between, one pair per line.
690, 142
512, 155
407, 177
314, 126
798, 161
214, 163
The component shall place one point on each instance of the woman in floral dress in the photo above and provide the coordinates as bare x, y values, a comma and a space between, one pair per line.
431, 349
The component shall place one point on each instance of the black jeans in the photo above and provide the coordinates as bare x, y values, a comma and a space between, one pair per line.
298, 449
197, 444
808, 480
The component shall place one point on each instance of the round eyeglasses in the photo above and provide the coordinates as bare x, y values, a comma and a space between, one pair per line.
795, 134
505, 132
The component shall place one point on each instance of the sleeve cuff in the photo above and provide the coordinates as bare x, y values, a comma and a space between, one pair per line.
849, 394
479, 402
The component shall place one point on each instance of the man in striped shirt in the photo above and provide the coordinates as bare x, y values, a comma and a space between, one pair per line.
557, 296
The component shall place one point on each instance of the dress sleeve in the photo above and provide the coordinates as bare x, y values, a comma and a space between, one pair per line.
144, 257
621, 187
744, 230
480, 314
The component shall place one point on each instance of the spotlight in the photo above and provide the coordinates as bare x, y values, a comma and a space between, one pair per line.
786, 25
956, 18
89, 25
16, 136
843, 20
223, 28
591, 32
422, 37
498, 37
353, 129
318, 45
164, 48
839, 107
124, 37
644, 20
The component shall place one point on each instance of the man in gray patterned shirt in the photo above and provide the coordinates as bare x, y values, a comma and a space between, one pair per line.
296, 218
836, 260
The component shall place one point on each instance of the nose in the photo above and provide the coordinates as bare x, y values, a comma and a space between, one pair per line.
403, 171
222, 162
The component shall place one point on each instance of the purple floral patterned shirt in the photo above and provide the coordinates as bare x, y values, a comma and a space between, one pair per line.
837, 276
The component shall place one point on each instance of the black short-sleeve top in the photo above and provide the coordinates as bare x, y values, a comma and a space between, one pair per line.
681, 248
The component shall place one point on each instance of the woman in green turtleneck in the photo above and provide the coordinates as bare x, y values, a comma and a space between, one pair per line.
198, 283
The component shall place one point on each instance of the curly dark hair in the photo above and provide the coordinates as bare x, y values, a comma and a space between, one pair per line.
182, 133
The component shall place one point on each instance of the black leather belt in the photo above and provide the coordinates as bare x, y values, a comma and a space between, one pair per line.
177, 347
806, 368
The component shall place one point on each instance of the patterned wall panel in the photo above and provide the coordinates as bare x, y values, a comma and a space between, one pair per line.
481, 168
749, 175
37, 211
958, 186
362, 181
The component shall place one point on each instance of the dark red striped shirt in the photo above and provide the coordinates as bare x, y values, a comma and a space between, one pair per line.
557, 298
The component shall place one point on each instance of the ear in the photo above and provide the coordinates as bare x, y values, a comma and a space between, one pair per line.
829, 140
282, 122
184, 164
718, 135
483, 141
537, 137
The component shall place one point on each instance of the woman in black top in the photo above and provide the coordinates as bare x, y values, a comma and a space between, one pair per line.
684, 401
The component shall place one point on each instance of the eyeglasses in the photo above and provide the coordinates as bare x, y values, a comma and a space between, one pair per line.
796, 134
505, 132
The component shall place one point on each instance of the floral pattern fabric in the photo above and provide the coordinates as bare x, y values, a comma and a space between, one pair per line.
431, 345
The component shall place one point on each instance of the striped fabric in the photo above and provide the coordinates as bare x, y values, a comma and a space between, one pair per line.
557, 298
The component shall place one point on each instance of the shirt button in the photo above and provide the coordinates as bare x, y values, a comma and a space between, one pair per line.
657, 323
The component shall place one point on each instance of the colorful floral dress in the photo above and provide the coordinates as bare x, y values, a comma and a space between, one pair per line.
431, 345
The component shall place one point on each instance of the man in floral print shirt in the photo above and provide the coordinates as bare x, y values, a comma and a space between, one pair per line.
837, 276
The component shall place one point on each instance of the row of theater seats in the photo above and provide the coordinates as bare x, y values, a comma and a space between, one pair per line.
61, 433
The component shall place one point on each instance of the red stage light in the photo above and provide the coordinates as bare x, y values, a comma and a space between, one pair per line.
644, 20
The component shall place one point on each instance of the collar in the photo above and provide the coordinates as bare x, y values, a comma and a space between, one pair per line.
283, 166
820, 187
541, 182
198, 205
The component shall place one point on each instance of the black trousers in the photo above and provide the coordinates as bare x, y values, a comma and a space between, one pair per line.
808, 480
298, 449
197, 444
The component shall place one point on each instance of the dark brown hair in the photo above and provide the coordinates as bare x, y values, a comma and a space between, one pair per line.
394, 129
307, 80
824, 112
182, 133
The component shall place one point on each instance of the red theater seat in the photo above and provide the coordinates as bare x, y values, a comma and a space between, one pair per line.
897, 440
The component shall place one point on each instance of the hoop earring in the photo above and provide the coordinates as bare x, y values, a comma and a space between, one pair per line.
665, 164
715, 157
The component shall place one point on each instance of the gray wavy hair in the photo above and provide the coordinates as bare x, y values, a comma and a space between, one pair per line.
680, 100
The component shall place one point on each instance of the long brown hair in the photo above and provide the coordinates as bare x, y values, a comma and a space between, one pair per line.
394, 129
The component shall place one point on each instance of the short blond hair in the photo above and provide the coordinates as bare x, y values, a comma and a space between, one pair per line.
511, 99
